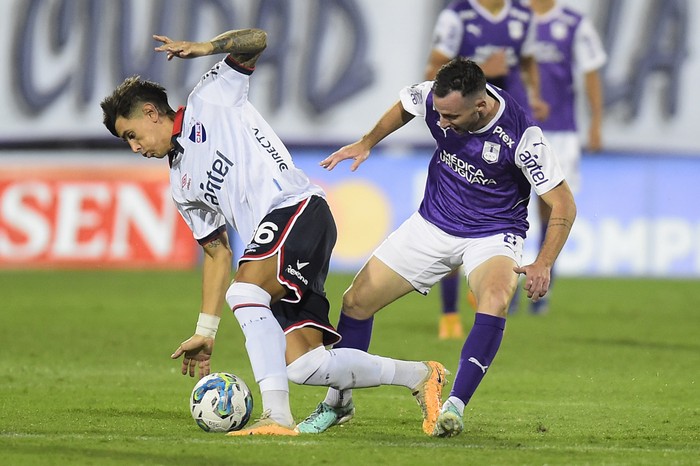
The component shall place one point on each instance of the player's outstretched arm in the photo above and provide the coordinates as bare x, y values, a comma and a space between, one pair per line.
245, 45
392, 120
216, 274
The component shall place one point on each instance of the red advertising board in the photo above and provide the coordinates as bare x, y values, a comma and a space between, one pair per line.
107, 215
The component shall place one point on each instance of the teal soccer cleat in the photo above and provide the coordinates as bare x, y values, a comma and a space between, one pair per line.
324, 417
449, 422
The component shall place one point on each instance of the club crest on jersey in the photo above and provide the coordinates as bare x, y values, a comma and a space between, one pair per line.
198, 134
490, 152
559, 30
515, 29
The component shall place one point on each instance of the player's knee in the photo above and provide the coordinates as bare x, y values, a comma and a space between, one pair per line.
355, 305
240, 293
301, 370
495, 300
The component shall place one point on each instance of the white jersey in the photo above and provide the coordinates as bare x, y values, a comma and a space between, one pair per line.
230, 165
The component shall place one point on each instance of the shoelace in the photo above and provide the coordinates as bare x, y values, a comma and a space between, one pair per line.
265, 415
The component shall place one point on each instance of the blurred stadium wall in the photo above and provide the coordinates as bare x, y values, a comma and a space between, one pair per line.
332, 67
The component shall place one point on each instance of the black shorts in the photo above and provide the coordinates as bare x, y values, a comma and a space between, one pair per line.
303, 236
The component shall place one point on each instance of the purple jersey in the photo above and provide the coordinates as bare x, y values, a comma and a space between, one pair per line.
479, 183
565, 40
465, 28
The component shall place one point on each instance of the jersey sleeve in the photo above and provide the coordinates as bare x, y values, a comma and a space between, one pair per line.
413, 98
225, 84
203, 223
538, 162
589, 53
447, 35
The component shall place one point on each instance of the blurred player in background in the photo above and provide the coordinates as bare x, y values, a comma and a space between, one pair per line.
499, 36
567, 43
473, 214
228, 166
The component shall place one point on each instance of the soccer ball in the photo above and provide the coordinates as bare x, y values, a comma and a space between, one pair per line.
221, 402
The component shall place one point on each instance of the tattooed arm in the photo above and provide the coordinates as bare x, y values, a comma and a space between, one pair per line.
563, 207
216, 273
244, 45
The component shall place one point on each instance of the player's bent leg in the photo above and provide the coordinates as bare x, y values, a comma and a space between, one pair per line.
375, 286
494, 282
265, 343
345, 368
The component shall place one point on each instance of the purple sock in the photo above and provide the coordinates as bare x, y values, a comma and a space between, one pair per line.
449, 288
477, 354
356, 333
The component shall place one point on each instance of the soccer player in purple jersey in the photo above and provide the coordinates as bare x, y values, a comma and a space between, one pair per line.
489, 156
566, 44
228, 167
499, 36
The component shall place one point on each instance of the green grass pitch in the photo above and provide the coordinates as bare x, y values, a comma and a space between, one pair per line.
611, 376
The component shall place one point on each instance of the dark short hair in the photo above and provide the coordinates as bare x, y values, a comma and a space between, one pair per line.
459, 74
131, 95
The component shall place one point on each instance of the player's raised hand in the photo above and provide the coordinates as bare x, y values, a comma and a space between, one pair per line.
355, 151
183, 48
197, 351
537, 279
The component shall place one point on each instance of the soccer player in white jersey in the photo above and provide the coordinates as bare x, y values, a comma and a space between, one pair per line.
567, 44
489, 156
228, 166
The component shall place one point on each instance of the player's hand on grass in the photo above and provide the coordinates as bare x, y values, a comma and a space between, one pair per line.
355, 151
537, 278
182, 48
197, 352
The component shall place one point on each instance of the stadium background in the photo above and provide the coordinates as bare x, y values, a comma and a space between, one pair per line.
73, 196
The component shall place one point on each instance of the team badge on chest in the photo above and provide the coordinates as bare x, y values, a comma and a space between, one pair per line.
516, 30
490, 152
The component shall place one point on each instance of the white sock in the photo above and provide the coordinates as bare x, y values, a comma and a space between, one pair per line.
265, 343
338, 398
346, 368
459, 404
409, 373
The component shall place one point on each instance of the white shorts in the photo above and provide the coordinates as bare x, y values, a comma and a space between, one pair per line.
567, 147
422, 253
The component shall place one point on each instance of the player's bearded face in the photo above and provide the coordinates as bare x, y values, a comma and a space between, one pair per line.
458, 113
